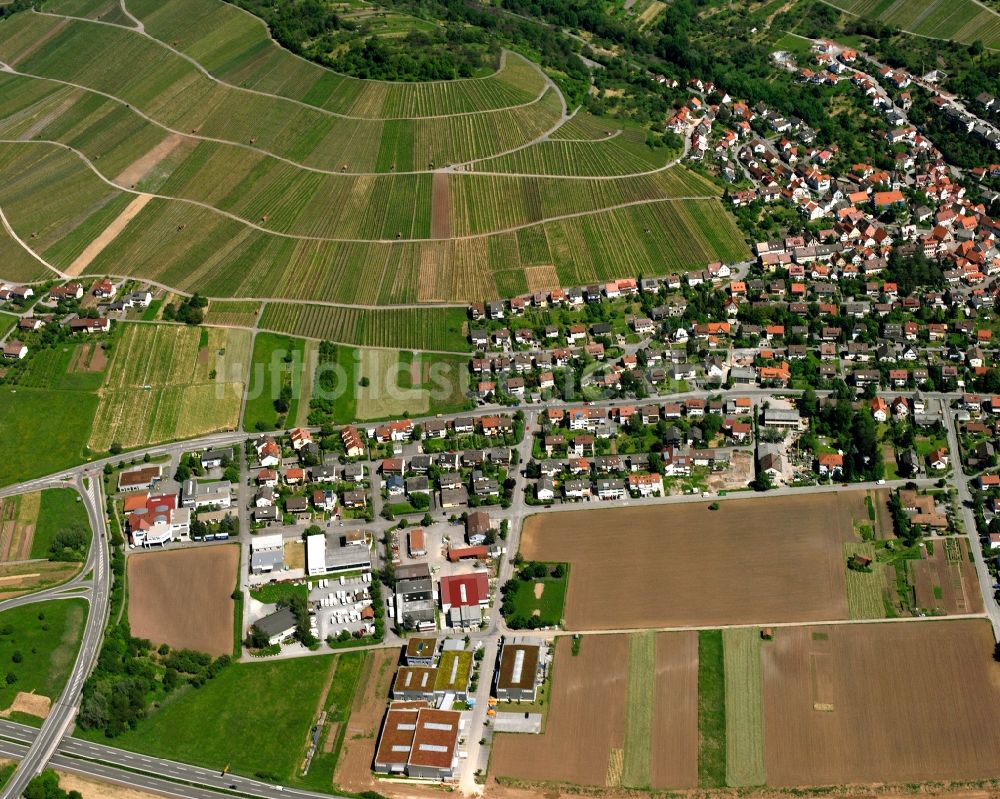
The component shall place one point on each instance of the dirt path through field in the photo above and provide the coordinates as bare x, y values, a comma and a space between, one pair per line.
44, 122
143, 165
440, 207
96, 247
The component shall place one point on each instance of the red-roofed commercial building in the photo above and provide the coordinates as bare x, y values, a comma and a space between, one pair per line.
463, 596
420, 742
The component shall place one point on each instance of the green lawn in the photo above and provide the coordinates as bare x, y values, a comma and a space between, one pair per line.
254, 717
60, 508
274, 592
55, 425
636, 771
7, 322
744, 707
549, 605
270, 371
38, 645
338, 707
711, 710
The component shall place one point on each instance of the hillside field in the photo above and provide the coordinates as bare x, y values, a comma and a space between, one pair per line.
959, 20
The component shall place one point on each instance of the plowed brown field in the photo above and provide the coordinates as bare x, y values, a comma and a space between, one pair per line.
675, 712
904, 702
586, 717
183, 597
753, 561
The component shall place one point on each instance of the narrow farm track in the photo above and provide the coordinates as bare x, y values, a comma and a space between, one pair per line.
298, 237
197, 65
298, 165
13, 234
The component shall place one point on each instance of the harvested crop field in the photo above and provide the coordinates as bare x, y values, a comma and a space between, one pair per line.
750, 562
586, 721
182, 598
624, 713
904, 702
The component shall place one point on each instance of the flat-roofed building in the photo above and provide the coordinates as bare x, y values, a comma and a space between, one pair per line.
418, 741
267, 553
520, 671
421, 651
315, 555
414, 682
454, 672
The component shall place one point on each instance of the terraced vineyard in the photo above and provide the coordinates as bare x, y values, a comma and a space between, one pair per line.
167, 382
959, 20
199, 154
400, 328
234, 47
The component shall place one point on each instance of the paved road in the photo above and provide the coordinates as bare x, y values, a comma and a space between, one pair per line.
139, 771
64, 710
961, 483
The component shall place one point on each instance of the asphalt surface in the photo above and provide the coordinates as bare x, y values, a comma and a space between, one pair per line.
95, 591
140, 771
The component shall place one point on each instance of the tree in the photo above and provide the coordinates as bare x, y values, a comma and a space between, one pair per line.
46, 786
762, 482
256, 638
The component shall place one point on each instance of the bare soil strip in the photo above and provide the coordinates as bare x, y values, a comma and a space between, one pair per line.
143, 165
96, 247
440, 207
675, 716
32, 704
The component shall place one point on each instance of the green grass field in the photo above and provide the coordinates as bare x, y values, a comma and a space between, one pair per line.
638, 746
60, 418
254, 717
60, 508
744, 707
269, 372
7, 322
712, 748
549, 605
38, 645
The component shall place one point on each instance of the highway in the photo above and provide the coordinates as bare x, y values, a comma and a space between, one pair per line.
96, 592
140, 771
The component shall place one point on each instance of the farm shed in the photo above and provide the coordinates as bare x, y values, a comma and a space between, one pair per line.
519, 673
415, 539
